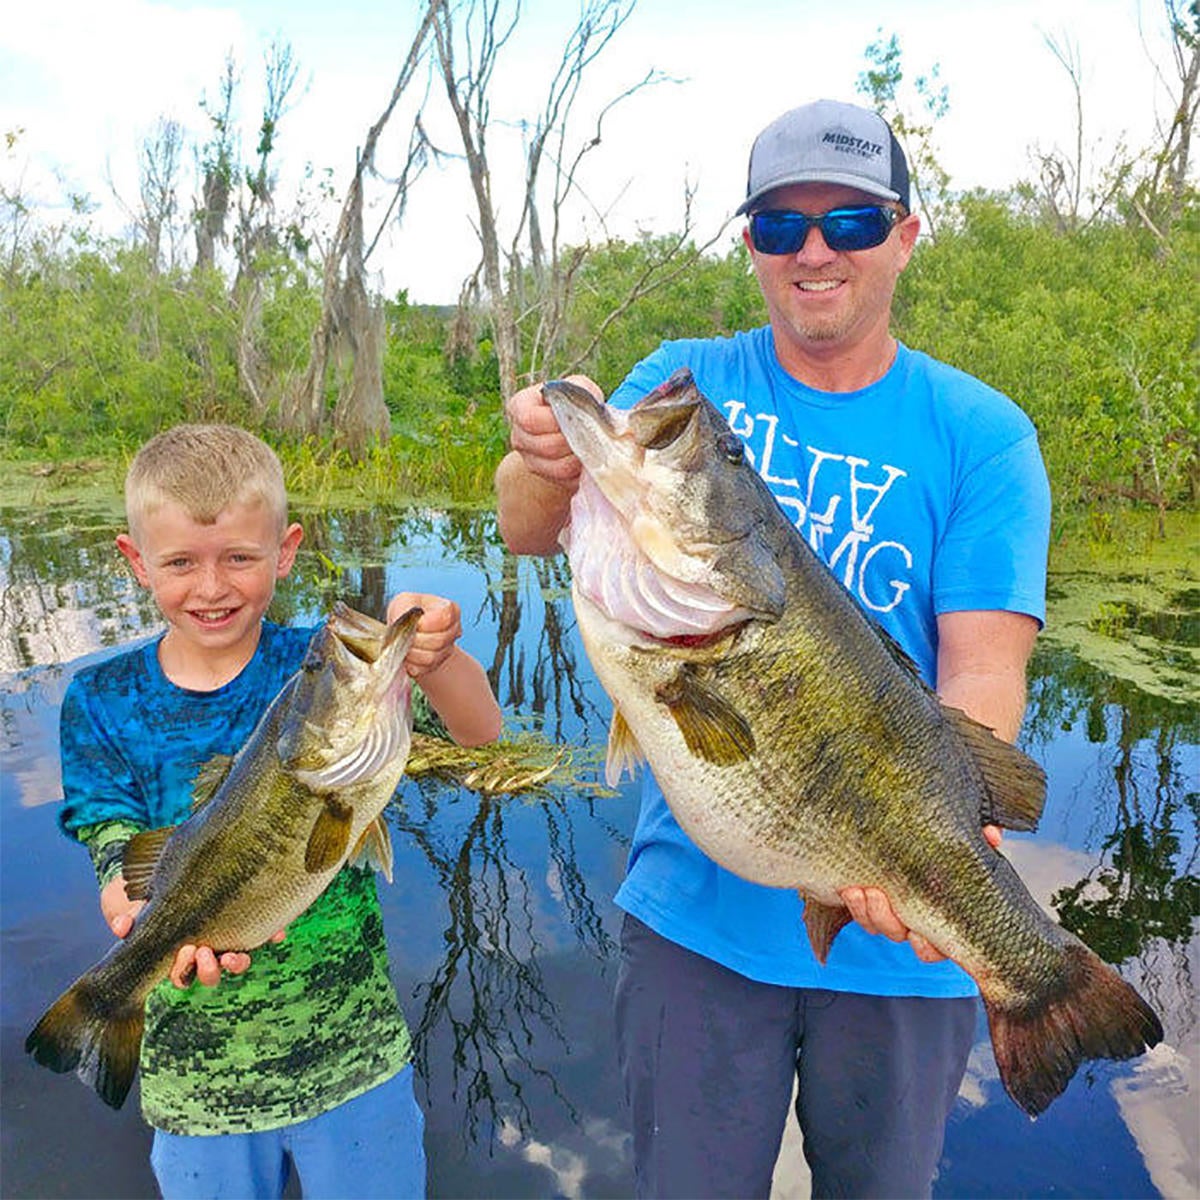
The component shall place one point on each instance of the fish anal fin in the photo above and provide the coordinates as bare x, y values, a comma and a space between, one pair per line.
209, 778
712, 728
1014, 785
823, 923
375, 848
1093, 1014
329, 838
624, 753
102, 1048
139, 859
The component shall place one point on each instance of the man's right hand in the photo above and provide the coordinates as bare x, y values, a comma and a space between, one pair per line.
535, 436
537, 478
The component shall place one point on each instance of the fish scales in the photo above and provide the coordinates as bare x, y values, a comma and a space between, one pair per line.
796, 744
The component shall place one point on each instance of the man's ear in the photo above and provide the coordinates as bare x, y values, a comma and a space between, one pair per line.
129, 549
290, 543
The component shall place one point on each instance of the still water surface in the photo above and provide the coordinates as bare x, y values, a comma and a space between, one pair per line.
500, 921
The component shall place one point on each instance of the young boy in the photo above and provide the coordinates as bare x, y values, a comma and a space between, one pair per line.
302, 1052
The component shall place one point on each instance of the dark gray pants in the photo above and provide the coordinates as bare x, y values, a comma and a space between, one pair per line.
709, 1056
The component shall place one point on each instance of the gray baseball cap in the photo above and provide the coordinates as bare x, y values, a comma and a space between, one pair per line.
828, 141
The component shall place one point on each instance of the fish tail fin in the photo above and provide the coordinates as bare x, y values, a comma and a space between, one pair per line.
100, 1044
1094, 1014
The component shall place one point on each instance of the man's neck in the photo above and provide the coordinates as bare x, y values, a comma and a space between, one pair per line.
834, 368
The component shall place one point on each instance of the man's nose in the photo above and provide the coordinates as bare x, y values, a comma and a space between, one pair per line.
815, 249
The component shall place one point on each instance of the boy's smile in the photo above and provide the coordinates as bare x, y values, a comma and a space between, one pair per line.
212, 583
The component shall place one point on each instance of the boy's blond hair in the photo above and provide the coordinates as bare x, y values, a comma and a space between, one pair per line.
204, 469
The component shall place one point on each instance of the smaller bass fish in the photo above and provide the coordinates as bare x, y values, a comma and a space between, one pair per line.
272, 828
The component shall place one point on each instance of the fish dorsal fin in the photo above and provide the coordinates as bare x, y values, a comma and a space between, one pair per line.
209, 778
712, 728
899, 654
329, 838
140, 857
823, 922
1014, 785
624, 753
375, 848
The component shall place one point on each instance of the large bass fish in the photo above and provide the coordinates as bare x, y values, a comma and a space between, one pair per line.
796, 744
272, 827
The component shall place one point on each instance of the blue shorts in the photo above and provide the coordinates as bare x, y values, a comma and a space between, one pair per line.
371, 1146
709, 1059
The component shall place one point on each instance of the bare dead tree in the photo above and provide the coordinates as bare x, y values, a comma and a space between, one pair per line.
350, 327
1061, 175
468, 93
15, 214
1162, 194
217, 169
255, 232
1071, 192
532, 283
158, 182
255, 235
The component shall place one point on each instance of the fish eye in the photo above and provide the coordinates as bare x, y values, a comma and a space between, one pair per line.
732, 448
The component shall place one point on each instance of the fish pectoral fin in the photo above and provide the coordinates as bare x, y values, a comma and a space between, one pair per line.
1014, 785
139, 859
329, 838
624, 753
712, 728
209, 778
375, 848
823, 923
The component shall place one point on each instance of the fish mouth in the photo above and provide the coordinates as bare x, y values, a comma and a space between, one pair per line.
611, 568
362, 698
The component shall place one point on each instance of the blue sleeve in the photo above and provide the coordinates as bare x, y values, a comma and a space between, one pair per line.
992, 554
99, 783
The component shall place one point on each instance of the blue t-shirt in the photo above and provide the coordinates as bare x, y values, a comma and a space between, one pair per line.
925, 493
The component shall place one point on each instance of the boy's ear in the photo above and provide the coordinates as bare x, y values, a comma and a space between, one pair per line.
127, 547
292, 537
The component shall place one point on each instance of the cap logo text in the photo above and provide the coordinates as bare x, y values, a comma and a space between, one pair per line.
848, 144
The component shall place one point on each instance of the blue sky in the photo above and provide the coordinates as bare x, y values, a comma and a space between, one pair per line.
86, 82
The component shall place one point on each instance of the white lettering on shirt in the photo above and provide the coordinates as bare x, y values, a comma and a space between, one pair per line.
874, 572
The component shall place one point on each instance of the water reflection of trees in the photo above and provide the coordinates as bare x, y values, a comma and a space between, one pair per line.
64, 589
1142, 898
488, 994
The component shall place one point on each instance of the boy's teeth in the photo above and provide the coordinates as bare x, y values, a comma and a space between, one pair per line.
218, 614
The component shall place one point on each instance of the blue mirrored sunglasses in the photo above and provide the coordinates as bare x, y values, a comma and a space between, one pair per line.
857, 228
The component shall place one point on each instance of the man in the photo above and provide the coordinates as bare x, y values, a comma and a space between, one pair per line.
924, 491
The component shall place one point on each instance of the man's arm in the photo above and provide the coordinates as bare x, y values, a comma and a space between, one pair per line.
530, 509
982, 656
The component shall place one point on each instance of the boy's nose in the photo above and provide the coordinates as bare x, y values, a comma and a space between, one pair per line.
212, 581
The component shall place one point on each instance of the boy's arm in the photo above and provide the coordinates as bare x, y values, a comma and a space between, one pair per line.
454, 683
